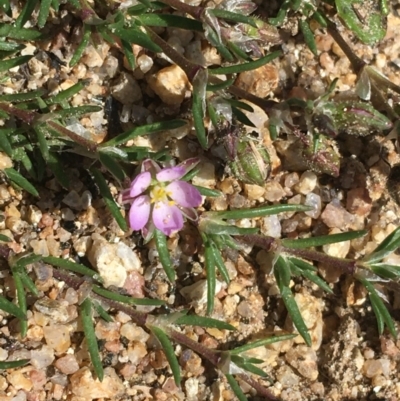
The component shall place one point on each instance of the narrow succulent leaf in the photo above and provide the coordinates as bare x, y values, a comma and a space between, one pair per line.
11, 308
71, 266
169, 353
234, 17
5, 65
379, 307
211, 277
233, 69
199, 106
144, 130
322, 240
108, 199
102, 312
378, 315
21, 296
81, 47
126, 299
67, 93
90, 337
41, 136
235, 387
203, 321
295, 314
240, 105
213, 193
386, 270
5, 144
4, 238
112, 166
25, 14
238, 52
308, 36
13, 364
386, 247
28, 283
25, 34
220, 86
212, 114
369, 29
313, 277
134, 36
164, 254
219, 262
259, 211
44, 11
130, 57
302, 264
261, 343
169, 21
249, 367
5, 6
20, 262
282, 272
71, 112
58, 170
11, 47
22, 97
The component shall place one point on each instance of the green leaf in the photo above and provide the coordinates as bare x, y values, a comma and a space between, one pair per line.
203, 321
25, 14
126, 299
5, 65
221, 86
261, 211
71, 112
58, 170
233, 69
385, 270
261, 343
130, 57
169, 352
22, 97
44, 11
234, 17
164, 255
13, 364
220, 264
20, 33
241, 117
41, 136
213, 193
235, 387
19, 287
134, 36
28, 283
4, 238
385, 248
322, 240
379, 308
240, 105
144, 130
102, 312
112, 166
295, 314
211, 277
308, 36
11, 308
90, 336
108, 199
81, 47
364, 18
282, 272
169, 20
19, 262
67, 93
5, 144
71, 266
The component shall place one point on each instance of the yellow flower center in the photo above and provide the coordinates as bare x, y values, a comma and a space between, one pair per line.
159, 194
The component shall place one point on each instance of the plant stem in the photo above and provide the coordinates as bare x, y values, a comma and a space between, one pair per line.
194, 11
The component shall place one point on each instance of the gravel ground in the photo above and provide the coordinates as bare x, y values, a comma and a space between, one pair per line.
347, 361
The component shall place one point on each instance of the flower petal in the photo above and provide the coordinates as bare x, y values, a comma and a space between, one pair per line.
139, 212
151, 166
184, 194
140, 184
189, 164
171, 174
167, 218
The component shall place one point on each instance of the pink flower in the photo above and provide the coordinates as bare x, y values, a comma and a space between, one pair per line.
160, 200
